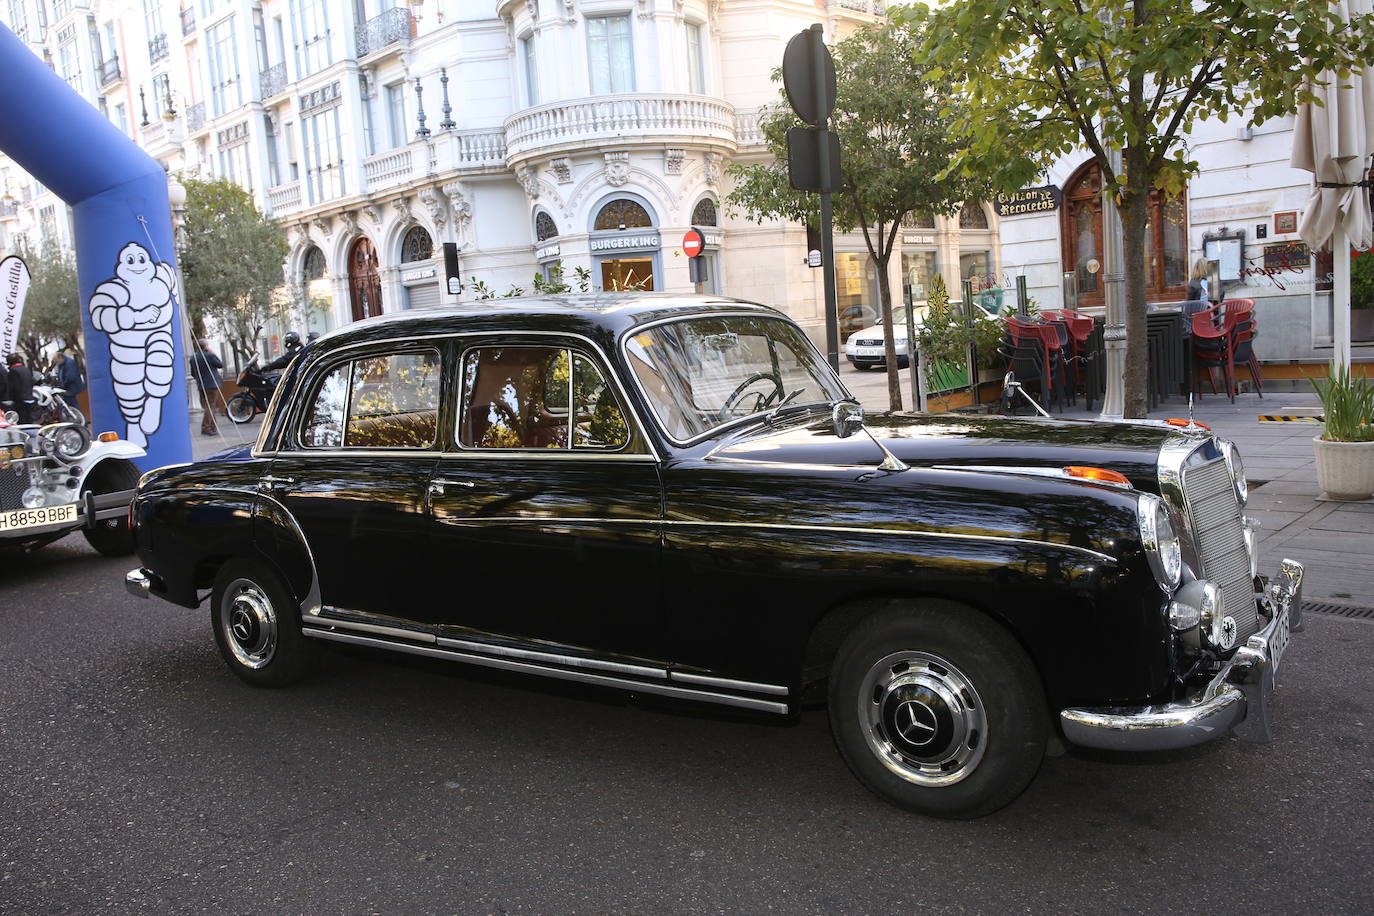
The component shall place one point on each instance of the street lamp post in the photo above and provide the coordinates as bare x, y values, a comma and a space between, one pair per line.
176, 197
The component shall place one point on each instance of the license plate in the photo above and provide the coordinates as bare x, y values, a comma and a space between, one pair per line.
34, 518
1278, 641
868, 351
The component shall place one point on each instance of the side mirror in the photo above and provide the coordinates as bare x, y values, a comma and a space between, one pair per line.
846, 419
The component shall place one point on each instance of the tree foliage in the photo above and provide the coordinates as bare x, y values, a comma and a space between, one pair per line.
1045, 78
232, 262
52, 310
893, 117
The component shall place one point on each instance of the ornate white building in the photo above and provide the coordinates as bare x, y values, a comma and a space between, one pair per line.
529, 132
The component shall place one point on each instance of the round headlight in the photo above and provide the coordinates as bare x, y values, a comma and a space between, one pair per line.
1237, 469
1160, 541
33, 498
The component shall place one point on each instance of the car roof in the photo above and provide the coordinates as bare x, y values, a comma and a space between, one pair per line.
607, 314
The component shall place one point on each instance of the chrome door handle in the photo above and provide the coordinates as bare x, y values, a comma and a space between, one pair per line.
436, 487
271, 482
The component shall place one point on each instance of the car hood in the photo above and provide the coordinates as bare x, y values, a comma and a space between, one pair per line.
879, 332
974, 443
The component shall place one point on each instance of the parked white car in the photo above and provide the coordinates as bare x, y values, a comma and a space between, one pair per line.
867, 348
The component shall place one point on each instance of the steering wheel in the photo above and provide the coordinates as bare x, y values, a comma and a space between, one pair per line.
763, 401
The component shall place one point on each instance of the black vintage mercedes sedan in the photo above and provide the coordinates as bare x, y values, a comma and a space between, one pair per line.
676, 496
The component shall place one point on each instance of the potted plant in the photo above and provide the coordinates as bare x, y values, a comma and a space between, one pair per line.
1345, 451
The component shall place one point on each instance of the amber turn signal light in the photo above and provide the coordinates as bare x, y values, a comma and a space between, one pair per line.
1178, 421
1101, 475
108, 437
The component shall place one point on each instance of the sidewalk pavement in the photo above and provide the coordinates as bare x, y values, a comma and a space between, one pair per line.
1334, 540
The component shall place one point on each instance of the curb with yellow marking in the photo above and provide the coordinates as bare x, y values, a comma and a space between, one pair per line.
1277, 418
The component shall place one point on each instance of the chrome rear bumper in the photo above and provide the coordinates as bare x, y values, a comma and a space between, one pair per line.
1236, 698
138, 582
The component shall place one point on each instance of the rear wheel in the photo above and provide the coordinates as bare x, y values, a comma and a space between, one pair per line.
241, 408
111, 536
257, 626
936, 709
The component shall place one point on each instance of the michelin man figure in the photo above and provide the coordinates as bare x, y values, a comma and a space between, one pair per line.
135, 309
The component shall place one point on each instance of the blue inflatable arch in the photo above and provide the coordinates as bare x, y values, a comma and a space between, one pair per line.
125, 258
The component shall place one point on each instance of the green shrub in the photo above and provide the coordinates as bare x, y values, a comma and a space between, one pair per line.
1348, 403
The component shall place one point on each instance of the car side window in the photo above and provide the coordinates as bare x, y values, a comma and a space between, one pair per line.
521, 398
389, 401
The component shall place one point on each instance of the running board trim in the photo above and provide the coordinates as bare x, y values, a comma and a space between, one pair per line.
585, 677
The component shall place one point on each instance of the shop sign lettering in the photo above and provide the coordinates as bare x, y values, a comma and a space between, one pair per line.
1027, 200
615, 243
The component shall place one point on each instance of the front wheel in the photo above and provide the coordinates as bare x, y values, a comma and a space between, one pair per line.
111, 537
241, 408
937, 709
257, 626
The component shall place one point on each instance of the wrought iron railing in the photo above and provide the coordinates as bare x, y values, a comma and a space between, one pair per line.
273, 80
157, 48
109, 71
188, 21
388, 28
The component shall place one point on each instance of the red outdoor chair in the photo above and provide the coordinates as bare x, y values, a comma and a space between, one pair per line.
1211, 349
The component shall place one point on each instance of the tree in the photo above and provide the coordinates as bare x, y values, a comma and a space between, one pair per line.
1047, 77
232, 262
52, 310
892, 116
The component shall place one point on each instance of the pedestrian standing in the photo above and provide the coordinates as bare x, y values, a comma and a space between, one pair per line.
68, 377
1197, 281
205, 366
21, 388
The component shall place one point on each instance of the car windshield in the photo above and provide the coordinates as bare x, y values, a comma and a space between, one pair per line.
699, 373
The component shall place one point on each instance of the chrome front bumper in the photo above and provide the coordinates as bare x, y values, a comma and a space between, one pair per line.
1238, 697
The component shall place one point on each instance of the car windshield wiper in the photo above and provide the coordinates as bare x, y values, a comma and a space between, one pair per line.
786, 408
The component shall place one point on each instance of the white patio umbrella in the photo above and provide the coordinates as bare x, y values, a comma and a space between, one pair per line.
1334, 142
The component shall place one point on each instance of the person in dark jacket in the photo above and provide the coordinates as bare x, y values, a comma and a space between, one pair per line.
292, 340
205, 366
21, 388
68, 377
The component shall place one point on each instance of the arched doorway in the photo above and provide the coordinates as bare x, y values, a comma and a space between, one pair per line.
625, 244
364, 280
1166, 240
419, 277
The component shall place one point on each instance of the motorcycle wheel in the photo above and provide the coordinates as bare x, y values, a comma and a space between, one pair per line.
241, 408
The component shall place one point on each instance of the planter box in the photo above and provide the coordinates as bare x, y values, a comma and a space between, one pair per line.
1345, 470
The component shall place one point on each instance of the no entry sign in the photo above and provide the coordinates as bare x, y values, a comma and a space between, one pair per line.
693, 242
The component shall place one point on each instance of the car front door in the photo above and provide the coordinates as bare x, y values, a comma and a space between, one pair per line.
546, 506
354, 477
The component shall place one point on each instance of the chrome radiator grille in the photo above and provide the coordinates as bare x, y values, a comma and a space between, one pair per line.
1218, 534
14, 480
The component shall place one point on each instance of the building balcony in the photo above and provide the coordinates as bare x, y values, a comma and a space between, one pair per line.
9, 208
623, 119
273, 80
188, 22
464, 152
389, 28
284, 198
748, 127
872, 7
157, 48
108, 72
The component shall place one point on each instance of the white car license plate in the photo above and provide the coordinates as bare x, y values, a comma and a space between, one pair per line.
868, 351
1278, 642
33, 518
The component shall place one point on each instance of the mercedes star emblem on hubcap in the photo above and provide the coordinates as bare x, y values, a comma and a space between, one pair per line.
242, 625
915, 722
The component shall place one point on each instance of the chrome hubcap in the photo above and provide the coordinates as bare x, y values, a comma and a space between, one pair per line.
922, 718
249, 623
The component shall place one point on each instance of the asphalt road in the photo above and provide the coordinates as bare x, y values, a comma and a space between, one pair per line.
138, 775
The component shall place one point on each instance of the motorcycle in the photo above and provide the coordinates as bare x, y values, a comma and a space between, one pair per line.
51, 407
256, 393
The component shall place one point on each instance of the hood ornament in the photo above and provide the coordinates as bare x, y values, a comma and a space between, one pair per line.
847, 418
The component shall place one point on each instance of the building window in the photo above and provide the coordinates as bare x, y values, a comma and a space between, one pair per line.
162, 93
310, 22
47, 222
18, 18
1166, 242
531, 71
704, 213
323, 147
417, 245
221, 56
918, 269
914, 220
622, 214
544, 227
973, 216
121, 118
234, 165
312, 265
273, 159
696, 68
152, 18
395, 96
610, 54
